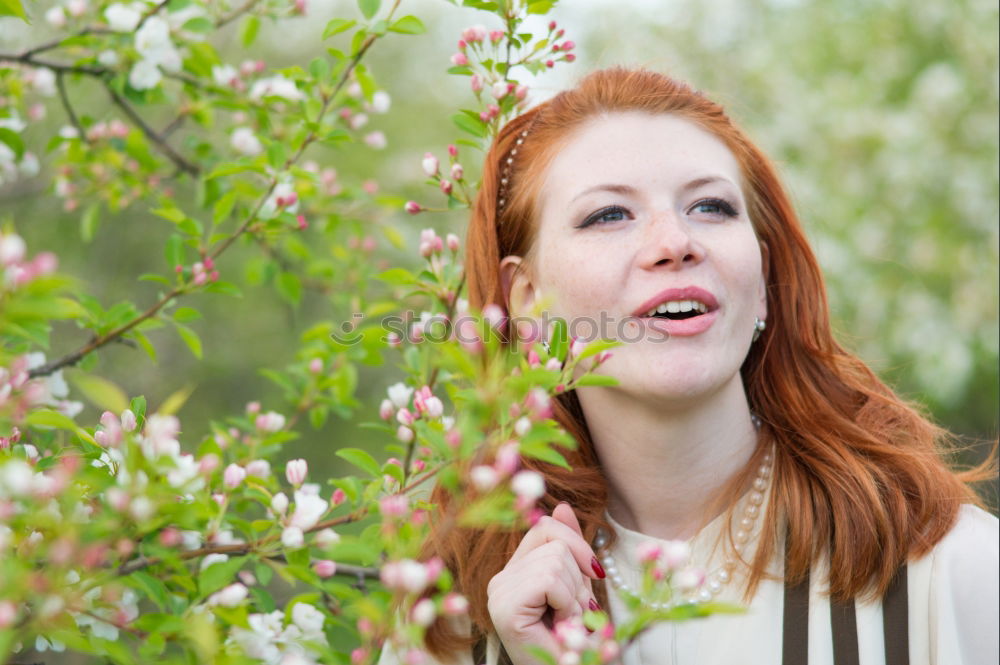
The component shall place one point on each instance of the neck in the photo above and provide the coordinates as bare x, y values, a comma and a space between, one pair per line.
667, 465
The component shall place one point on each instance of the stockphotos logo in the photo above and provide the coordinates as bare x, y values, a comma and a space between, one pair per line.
466, 329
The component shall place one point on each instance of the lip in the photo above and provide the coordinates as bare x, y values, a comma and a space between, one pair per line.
684, 293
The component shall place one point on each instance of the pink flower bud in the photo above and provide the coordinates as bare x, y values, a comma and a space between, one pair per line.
259, 468
128, 420
609, 651
560, 33
326, 538
552, 25
689, 579
208, 463
648, 552
459, 59
359, 656
404, 434
453, 242
412, 207
455, 604
295, 471
396, 505
462, 45
386, 409
233, 476
493, 110
253, 407
475, 33
404, 417
567, 46
300, 222
430, 164
338, 497
508, 458
424, 612
533, 359
520, 92
325, 568
496, 35
457, 172
676, 554
446, 187
279, 503
550, 63
499, 90
8, 614
270, 421
316, 365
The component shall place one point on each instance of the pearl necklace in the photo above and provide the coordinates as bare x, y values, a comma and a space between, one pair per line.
717, 579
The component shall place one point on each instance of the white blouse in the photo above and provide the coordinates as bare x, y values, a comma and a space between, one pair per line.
954, 608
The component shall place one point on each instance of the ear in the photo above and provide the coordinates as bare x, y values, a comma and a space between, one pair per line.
518, 288
765, 274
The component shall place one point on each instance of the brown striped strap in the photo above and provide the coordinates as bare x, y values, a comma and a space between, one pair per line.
896, 621
795, 629
479, 654
844, 623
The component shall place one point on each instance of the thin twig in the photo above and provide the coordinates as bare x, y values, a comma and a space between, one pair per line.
174, 125
56, 43
151, 134
247, 6
64, 98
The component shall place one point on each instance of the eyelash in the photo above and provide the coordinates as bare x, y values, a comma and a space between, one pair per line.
725, 208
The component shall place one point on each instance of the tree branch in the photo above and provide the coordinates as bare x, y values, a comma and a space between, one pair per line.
165, 147
98, 342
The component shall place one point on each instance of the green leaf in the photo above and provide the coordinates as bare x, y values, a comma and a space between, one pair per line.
596, 380
151, 586
559, 344
88, 223
369, 7
185, 314
138, 407
276, 154
174, 251
319, 68
397, 277
219, 575
13, 8
48, 418
408, 25
361, 459
223, 207
337, 26
198, 24
190, 338
100, 392
249, 29
541, 6
143, 341
175, 215
465, 123
10, 137
289, 287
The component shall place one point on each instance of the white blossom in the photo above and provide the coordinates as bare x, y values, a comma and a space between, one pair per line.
308, 509
108, 58
292, 536
224, 75
381, 101
399, 394
43, 80
55, 17
309, 620
123, 18
275, 86
145, 74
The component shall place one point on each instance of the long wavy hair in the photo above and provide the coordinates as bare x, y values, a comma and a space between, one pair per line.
860, 475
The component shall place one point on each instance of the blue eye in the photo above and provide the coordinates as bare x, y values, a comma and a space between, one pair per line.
714, 207
605, 216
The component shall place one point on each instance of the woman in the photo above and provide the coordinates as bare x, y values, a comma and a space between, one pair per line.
806, 488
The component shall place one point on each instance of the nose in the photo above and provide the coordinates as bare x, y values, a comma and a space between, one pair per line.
668, 243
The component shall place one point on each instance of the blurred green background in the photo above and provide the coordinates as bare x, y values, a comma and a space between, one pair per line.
881, 115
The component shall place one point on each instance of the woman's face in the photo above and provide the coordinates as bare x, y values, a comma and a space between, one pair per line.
639, 212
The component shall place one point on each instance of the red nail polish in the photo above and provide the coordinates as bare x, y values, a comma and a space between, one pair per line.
593, 605
597, 567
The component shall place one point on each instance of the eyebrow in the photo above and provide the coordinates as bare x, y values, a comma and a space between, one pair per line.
628, 189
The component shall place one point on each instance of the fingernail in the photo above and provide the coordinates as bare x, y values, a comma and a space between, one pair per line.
597, 567
594, 606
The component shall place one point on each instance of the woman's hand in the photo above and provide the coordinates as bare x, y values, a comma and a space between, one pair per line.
546, 580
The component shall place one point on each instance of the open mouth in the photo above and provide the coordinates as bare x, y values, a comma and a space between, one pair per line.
678, 310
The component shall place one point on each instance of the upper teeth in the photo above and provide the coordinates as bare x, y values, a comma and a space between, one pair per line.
678, 306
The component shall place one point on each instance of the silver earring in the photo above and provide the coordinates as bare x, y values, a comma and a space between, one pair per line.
758, 327
545, 345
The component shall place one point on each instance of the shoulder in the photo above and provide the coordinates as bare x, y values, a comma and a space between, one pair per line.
955, 593
972, 546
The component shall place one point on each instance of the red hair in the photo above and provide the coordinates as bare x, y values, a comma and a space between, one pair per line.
859, 474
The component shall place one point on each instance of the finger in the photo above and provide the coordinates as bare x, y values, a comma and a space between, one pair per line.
564, 513
548, 530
